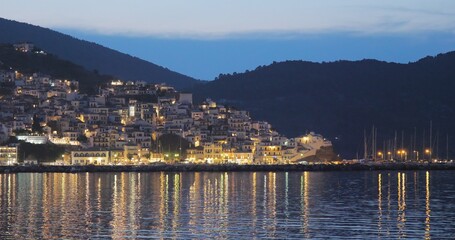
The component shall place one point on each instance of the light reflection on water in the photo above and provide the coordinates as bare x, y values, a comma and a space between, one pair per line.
228, 205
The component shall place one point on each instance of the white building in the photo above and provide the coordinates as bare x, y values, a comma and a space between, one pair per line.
33, 139
90, 156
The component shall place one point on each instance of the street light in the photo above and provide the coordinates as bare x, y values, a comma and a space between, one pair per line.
401, 153
417, 154
428, 152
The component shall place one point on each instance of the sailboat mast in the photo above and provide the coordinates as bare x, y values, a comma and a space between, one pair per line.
423, 144
372, 143
365, 147
431, 143
375, 142
437, 144
414, 146
394, 145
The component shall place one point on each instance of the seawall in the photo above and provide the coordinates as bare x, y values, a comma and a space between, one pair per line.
227, 168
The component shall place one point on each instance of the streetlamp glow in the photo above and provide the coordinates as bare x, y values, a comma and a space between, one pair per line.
402, 152
428, 152
417, 155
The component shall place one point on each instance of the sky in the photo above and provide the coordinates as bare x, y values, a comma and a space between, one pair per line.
203, 38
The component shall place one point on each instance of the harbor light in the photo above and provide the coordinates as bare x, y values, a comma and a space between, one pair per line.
417, 154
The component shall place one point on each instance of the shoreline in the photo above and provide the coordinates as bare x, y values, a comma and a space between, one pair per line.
227, 168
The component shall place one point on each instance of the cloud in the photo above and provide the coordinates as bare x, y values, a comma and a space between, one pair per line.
208, 19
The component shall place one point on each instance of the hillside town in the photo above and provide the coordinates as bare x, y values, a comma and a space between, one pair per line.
125, 122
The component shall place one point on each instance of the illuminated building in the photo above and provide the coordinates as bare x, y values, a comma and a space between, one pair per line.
8, 155
90, 156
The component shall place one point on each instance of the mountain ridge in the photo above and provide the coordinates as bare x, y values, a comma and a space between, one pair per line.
90, 55
48, 64
341, 99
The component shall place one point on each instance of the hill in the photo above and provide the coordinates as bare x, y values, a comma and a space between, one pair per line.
49, 64
90, 55
343, 99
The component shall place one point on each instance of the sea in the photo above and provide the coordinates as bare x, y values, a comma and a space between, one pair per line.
228, 205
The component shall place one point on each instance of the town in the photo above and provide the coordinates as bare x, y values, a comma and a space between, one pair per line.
126, 121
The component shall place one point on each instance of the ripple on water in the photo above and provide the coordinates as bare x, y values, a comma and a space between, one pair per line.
342, 205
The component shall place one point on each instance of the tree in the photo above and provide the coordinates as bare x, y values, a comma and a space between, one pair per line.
82, 138
173, 144
36, 127
54, 125
42, 152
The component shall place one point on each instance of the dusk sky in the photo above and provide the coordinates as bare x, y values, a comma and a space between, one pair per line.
204, 38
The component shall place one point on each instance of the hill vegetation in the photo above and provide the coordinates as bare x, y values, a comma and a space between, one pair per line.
342, 99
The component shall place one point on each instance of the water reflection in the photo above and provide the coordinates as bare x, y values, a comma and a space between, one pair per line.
401, 189
427, 206
227, 205
379, 203
304, 203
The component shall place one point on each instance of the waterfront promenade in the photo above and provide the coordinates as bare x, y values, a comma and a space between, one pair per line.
230, 167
